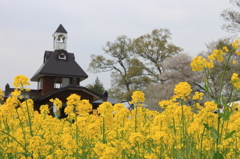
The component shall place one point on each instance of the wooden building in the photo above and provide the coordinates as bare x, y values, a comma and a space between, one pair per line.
59, 76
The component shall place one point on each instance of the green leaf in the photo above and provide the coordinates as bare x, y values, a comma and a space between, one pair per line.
229, 134
22, 153
206, 126
220, 115
227, 114
206, 87
8, 128
212, 152
236, 152
223, 101
214, 133
217, 102
218, 155
226, 151
180, 156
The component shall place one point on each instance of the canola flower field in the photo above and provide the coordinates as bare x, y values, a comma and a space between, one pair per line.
116, 132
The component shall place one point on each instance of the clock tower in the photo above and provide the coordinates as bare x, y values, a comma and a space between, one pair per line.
60, 38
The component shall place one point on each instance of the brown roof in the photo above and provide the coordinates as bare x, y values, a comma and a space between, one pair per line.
60, 29
53, 66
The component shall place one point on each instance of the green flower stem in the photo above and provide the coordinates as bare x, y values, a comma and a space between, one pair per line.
183, 129
201, 142
218, 130
40, 126
136, 120
223, 74
123, 132
28, 113
76, 135
206, 72
221, 131
90, 145
230, 95
103, 131
174, 126
16, 141
24, 132
234, 96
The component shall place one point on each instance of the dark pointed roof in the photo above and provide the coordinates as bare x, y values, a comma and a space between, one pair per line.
53, 66
60, 29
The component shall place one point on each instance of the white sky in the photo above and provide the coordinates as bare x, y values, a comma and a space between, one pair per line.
27, 26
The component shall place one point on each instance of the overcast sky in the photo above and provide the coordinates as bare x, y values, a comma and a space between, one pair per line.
27, 26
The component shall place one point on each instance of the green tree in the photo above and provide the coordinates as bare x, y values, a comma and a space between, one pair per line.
97, 86
232, 17
134, 63
127, 71
133, 80
154, 48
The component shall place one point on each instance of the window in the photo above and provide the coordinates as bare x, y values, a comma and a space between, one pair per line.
40, 83
58, 82
62, 56
57, 85
65, 82
61, 82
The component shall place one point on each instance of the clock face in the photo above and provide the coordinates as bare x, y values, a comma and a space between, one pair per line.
61, 46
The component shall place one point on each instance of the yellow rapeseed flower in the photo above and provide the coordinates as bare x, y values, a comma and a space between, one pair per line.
165, 103
235, 44
109, 153
136, 138
76, 106
44, 109
198, 96
225, 49
210, 106
1, 95
105, 109
137, 97
198, 63
237, 52
235, 80
218, 54
57, 102
182, 90
21, 81
120, 133
84, 107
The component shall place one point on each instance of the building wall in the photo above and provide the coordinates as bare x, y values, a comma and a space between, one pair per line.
47, 85
63, 97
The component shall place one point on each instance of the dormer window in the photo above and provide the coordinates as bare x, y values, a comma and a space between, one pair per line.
62, 56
